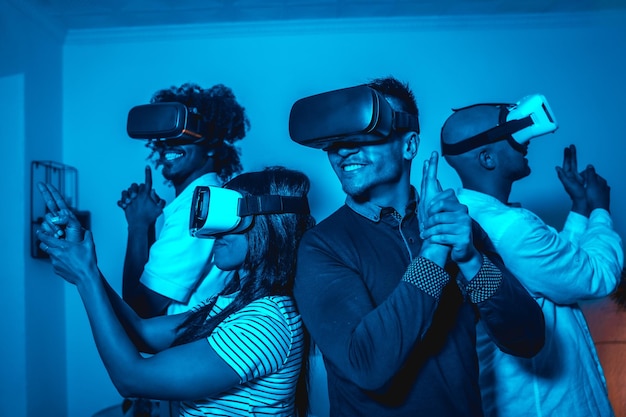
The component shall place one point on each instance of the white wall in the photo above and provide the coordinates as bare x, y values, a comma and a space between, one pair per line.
32, 352
577, 61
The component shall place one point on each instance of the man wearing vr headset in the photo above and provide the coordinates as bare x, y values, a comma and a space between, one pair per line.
391, 290
487, 146
192, 132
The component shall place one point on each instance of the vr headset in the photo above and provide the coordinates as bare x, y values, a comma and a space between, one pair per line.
321, 120
216, 210
164, 121
518, 123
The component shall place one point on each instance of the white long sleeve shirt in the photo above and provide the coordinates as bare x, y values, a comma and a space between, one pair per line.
582, 262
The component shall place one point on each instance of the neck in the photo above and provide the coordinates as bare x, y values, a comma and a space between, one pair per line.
501, 190
180, 187
395, 195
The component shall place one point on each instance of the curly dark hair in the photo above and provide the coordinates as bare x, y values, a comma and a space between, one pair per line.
225, 121
270, 264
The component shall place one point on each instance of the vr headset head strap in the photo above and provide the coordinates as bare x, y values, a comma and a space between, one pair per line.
406, 121
272, 204
502, 131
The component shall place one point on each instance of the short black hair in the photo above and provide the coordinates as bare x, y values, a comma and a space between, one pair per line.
390, 87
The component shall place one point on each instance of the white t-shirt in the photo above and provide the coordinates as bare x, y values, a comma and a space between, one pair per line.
180, 267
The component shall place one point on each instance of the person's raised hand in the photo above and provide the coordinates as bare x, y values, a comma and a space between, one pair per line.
60, 221
429, 189
448, 223
62, 237
573, 181
74, 261
598, 192
140, 202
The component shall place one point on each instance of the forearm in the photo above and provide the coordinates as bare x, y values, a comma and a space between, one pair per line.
511, 316
472, 266
137, 253
116, 350
368, 343
371, 352
581, 207
437, 254
129, 319
144, 301
564, 271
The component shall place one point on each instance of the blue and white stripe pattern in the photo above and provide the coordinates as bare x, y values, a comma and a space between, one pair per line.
263, 343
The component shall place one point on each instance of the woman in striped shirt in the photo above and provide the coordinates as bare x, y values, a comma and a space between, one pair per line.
239, 354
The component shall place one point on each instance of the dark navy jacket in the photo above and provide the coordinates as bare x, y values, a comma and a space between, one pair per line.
390, 349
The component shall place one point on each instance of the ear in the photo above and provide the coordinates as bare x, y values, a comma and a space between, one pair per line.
487, 160
410, 145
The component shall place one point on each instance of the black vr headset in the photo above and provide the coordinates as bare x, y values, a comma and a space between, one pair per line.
216, 210
323, 119
169, 121
518, 123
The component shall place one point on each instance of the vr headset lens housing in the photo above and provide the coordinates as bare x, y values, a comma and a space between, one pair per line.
519, 123
535, 107
165, 121
320, 120
216, 211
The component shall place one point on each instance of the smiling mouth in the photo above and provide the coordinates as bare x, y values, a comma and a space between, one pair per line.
352, 167
172, 155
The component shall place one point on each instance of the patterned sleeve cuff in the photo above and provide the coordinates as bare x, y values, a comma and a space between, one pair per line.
485, 283
427, 276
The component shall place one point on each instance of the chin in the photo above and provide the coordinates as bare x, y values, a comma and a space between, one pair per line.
226, 267
166, 172
524, 174
355, 191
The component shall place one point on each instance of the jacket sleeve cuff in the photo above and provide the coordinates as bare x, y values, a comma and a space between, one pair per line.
427, 276
485, 283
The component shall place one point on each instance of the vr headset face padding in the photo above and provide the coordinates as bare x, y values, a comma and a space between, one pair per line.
165, 121
320, 120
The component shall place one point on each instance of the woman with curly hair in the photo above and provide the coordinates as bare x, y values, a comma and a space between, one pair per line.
239, 354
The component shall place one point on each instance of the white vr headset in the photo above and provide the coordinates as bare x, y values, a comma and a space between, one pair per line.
519, 123
218, 211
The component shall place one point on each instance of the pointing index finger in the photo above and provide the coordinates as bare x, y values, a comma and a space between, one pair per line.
53, 199
432, 166
431, 183
148, 177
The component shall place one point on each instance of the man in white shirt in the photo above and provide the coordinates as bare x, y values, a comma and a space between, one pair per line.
581, 262
174, 272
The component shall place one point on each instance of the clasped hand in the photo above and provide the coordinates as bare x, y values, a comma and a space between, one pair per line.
70, 247
587, 189
445, 224
141, 203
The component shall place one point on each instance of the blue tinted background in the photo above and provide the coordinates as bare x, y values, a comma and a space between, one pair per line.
69, 98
